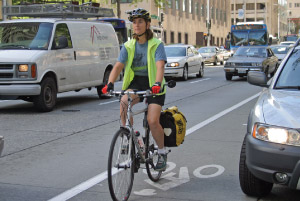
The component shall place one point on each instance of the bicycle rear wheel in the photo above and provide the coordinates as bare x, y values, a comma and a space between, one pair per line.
151, 157
120, 169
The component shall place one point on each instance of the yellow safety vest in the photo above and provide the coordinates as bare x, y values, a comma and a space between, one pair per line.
151, 64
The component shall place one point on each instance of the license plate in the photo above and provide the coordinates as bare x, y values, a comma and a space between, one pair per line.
241, 70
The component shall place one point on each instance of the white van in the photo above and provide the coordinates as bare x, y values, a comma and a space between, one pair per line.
42, 57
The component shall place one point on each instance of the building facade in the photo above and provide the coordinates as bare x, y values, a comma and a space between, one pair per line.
185, 20
271, 12
293, 9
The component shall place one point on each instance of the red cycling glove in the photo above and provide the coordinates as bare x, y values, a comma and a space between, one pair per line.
156, 88
107, 88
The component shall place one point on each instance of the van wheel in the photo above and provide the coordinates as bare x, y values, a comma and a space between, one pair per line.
250, 184
46, 101
99, 88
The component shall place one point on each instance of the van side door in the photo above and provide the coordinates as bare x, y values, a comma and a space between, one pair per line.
64, 59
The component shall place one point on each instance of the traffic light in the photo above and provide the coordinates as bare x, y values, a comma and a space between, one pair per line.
162, 17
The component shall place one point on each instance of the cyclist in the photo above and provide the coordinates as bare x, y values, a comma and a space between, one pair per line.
144, 58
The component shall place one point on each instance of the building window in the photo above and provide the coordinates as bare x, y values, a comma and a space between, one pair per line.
186, 38
297, 5
165, 37
179, 37
290, 5
250, 6
202, 11
212, 13
217, 14
172, 37
170, 4
190, 6
183, 5
260, 6
177, 4
197, 8
238, 6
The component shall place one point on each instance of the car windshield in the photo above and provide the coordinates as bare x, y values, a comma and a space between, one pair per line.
29, 35
280, 49
251, 52
290, 75
175, 51
207, 50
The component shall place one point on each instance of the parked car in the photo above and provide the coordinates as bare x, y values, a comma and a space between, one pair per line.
280, 51
1, 144
251, 58
182, 60
210, 55
270, 152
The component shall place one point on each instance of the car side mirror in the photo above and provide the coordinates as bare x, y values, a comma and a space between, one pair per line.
257, 78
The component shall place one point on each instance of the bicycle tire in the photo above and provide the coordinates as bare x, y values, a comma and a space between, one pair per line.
120, 180
151, 157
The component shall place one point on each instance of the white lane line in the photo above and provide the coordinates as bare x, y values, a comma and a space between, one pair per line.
200, 80
109, 102
101, 177
80, 188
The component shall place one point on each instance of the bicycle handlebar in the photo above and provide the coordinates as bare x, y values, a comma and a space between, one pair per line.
170, 84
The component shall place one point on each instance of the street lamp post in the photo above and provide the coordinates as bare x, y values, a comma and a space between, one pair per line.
208, 24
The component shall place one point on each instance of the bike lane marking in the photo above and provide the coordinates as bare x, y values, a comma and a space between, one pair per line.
103, 176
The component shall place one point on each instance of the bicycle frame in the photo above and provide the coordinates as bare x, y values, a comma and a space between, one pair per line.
130, 114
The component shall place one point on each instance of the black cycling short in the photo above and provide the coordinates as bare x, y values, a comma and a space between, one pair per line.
141, 83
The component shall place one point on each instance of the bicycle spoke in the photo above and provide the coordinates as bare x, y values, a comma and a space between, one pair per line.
120, 166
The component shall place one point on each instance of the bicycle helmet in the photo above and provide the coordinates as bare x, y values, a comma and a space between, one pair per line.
139, 13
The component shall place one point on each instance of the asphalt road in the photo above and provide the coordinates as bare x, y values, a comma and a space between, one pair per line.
62, 155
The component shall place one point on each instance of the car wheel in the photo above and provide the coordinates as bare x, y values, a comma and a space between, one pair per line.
185, 74
46, 101
250, 184
215, 63
201, 70
228, 76
99, 88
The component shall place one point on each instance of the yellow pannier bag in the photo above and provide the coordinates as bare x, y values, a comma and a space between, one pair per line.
174, 125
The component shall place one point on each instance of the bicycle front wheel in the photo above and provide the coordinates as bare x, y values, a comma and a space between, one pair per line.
120, 169
151, 157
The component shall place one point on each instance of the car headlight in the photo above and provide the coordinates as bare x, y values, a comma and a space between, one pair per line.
173, 64
276, 134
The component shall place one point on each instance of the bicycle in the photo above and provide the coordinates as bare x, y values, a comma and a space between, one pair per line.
126, 155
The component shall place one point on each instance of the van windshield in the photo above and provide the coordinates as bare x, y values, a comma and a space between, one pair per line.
25, 35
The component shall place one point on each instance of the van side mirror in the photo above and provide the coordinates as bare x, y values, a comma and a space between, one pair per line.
62, 43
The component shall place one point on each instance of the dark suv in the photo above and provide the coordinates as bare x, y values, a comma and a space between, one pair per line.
271, 149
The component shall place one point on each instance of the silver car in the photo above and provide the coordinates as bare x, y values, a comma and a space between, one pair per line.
280, 51
271, 149
183, 60
210, 55
251, 58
